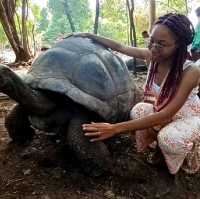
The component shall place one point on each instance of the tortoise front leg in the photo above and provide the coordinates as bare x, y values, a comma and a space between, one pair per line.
95, 159
18, 125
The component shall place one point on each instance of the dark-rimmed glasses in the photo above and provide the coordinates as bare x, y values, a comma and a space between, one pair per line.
159, 46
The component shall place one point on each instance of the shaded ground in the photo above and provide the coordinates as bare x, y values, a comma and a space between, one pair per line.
44, 170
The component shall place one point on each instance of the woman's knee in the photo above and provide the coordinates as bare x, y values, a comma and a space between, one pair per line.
170, 141
141, 109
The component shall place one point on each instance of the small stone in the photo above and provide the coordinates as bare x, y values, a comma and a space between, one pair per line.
109, 195
46, 197
2, 139
26, 172
57, 173
78, 192
120, 197
58, 141
28, 153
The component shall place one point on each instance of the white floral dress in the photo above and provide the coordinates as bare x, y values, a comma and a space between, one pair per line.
179, 140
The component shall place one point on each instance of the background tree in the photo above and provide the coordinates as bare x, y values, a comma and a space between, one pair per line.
96, 22
133, 40
3, 39
68, 13
43, 20
26, 26
25, 41
75, 17
130, 6
180, 6
114, 20
152, 13
37, 26
7, 19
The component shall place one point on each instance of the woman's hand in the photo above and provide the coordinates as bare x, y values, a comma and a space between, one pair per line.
99, 131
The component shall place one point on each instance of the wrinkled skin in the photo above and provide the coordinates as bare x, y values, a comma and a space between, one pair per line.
64, 119
75, 82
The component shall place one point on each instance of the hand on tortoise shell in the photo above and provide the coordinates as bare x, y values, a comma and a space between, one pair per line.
82, 34
99, 131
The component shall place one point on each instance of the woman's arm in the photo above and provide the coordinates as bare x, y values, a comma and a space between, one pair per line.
142, 53
103, 131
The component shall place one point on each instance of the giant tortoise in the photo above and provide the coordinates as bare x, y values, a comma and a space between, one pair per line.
76, 81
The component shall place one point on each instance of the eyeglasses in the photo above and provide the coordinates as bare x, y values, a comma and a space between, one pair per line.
158, 46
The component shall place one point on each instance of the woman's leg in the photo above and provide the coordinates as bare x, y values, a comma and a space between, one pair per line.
176, 141
143, 137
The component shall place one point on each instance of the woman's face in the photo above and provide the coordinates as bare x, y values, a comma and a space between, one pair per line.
162, 43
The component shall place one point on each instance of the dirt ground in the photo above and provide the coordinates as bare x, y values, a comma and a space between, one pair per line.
44, 170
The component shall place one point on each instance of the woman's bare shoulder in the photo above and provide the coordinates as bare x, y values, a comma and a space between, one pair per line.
192, 73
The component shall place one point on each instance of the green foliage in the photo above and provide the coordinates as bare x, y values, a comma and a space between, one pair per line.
114, 20
56, 29
141, 19
59, 24
52, 22
3, 38
36, 12
43, 20
173, 6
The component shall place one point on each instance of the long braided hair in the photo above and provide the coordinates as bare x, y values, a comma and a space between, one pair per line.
183, 30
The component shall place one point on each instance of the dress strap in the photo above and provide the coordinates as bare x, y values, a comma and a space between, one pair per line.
187, 64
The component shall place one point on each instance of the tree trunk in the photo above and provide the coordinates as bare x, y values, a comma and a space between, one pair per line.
130, 6
69, 17
34, 43
19, 24
152, 13
96, 23
25, 41
7, 11
186, 7
133, 39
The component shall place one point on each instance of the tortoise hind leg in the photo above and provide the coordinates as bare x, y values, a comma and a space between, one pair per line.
95, 159
18, 125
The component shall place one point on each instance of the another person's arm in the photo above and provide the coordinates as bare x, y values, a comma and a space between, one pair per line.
142, 53
101, 131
